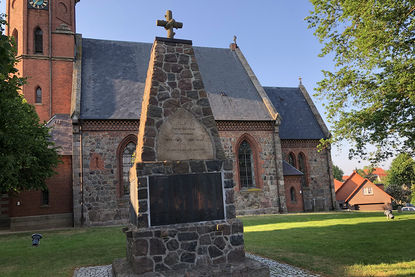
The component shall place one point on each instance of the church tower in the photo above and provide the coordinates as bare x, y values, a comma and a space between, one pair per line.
44, 31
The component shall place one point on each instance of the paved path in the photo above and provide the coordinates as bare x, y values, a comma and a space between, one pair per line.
276, 269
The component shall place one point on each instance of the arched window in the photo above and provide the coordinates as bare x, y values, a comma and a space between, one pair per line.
303, 168
16, 38
38, 39
38, 96
127, 163
292, 194
125, 154
246, 166
291, 159
45, 197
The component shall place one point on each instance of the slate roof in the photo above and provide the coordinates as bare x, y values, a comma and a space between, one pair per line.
289, 170
298, 121
114, 74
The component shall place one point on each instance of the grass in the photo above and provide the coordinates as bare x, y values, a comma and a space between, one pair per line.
332, 244
59, 252
336, 244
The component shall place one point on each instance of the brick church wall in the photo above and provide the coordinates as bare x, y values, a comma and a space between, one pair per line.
317, 194
104, 204
60, 195
296, 204
263, 198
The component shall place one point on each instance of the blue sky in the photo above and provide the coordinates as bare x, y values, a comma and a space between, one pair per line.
272, 34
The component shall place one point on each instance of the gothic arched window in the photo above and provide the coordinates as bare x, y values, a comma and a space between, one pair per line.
38, 96
292, 194
16, 38
291, 159
45, 197
246, 166
127, 163
125, 154
303, 168
38, 40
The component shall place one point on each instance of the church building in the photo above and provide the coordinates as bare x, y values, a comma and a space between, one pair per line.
89, 92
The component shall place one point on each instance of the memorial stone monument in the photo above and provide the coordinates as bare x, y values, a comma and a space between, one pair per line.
182, 216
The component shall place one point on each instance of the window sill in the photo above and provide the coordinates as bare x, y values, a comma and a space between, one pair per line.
44, 206
38, 104
250, 190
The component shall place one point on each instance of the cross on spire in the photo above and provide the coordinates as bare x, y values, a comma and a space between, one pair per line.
169, 24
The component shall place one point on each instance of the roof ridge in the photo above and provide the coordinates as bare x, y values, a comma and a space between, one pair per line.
143, 42
281, 87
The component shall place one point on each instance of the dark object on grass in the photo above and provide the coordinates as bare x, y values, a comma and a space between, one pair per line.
389, 214
36, 239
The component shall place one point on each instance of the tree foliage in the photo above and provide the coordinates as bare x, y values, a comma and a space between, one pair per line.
338, 173
371, 91
402, 171
401, 194
27, 156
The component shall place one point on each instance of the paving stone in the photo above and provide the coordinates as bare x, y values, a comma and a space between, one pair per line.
276, 269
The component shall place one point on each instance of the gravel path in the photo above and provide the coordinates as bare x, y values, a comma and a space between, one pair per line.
279, 269
276, 269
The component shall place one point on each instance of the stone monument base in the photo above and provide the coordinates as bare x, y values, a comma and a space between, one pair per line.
210, 248
245, 268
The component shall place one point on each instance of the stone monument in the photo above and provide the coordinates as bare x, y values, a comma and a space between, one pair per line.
182, 216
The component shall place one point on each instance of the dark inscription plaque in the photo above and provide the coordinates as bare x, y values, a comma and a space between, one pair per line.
185, 198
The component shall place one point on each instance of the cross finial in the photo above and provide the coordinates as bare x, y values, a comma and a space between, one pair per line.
169, 24
234, 39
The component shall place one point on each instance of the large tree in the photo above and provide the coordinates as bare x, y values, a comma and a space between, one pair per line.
27, 156
338, 173
402, 171
401, 177
370, 94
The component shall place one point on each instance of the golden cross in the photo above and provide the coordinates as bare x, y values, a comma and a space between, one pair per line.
169, 24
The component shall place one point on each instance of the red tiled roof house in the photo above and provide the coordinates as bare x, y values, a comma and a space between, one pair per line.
358, 193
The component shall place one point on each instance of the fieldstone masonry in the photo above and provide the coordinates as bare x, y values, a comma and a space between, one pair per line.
174, 84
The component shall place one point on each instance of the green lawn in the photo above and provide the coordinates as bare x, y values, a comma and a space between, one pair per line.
59, 252
336, 244
333, 244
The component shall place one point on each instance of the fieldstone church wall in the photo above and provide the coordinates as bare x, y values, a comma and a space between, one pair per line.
104, 205
318, 193
263, 198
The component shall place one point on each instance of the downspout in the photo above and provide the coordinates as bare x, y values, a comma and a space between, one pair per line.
275, 159
50, 60
81, 177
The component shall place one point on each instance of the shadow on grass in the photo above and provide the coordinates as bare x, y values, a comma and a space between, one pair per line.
361, 249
